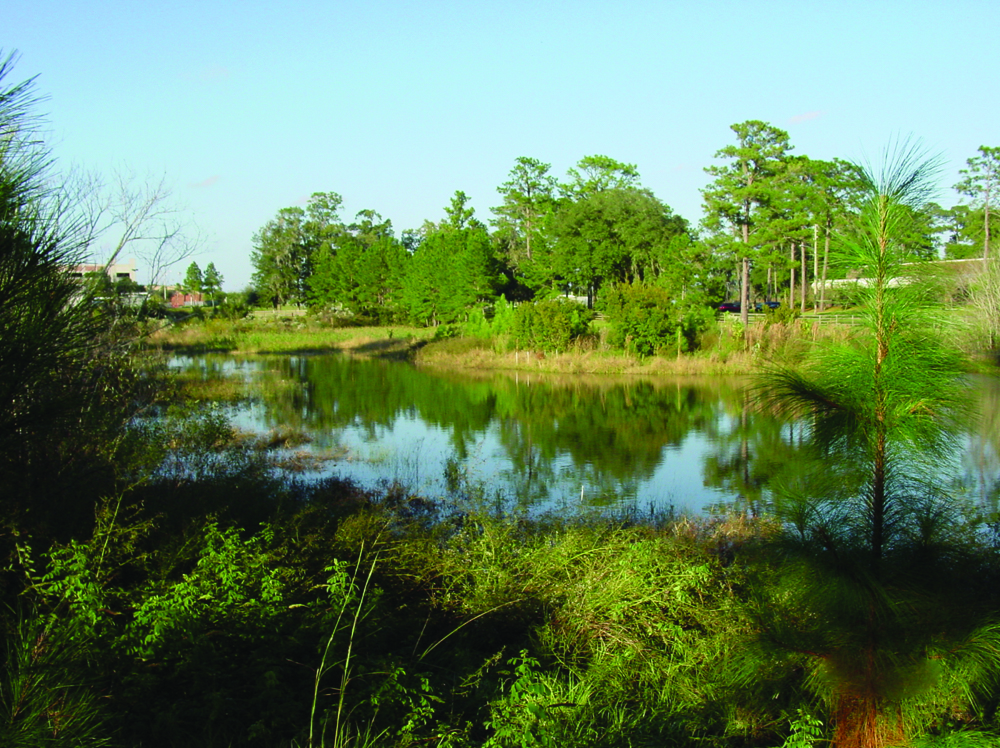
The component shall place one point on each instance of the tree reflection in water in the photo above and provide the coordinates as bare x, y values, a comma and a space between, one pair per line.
547, 442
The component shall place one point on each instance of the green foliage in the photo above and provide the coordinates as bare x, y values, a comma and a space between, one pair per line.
211, 283
959, 739
873, 560
232, 584
360, 270
598, 173
68, 377
631, 624
519, 720
614, 236
981, 184
287, 248
528, 199
193, 280
806, 731
503, 317
46, 697
783, 315
453, 271
646, 320
477, 326
234, 307
549, 325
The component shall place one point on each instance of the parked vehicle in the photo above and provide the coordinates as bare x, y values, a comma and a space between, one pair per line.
762, 305
729, 306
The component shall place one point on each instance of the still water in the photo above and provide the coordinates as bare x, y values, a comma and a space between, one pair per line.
538, 442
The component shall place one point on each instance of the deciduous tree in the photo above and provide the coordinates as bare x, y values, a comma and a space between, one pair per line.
615, 235
131, 215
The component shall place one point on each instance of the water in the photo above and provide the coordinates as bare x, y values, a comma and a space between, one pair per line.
545, 442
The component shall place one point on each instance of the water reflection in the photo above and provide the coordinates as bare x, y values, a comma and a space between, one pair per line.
545, 442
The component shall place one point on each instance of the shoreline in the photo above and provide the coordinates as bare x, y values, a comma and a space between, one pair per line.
418, 346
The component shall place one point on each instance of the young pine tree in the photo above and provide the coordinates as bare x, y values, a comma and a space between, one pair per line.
876, 592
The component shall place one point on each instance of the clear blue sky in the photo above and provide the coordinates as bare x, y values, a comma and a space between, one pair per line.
248, 107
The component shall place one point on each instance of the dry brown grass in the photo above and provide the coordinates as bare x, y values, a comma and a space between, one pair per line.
585, 362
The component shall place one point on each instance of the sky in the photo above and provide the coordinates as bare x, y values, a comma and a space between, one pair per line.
244, 108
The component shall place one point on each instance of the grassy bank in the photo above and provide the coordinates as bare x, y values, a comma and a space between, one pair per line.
725, 350
286, 335
473, 353
238, 609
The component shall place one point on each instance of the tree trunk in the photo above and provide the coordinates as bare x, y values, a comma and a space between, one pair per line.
815, 266
802, 251
791, 278
745, 292
986, 228
826, 264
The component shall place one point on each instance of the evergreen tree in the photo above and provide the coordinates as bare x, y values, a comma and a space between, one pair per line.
594, 174
981, 183
744, 203
528, 201
866, 594
211, 282
453, 269
361, 271
193, 280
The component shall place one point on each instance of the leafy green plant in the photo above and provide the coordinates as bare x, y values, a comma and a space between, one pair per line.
647, 319
233, 582
806, 730
521, 718
549, 325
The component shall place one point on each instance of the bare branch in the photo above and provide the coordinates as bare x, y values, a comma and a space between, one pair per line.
131, 215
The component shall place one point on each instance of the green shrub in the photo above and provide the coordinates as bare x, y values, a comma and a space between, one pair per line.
477, 326
503, 317
783, 315
645, 320
550, 325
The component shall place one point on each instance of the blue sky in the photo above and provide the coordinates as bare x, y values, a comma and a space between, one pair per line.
248, 107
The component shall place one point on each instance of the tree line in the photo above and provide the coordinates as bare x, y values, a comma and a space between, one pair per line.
769, 219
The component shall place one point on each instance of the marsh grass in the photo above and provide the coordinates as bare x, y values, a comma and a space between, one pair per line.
287, 335
725, 349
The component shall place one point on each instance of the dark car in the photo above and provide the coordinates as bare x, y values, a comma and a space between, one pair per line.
729, 306
762, 305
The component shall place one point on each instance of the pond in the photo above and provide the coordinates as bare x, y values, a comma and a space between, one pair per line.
542, 442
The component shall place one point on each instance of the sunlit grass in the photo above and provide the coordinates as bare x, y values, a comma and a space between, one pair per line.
726, 349
287, 335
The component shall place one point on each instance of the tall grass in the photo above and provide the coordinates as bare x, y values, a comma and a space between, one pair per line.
285, 335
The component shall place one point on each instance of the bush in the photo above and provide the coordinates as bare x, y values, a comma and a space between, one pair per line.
646, 319
235, 306
550, 325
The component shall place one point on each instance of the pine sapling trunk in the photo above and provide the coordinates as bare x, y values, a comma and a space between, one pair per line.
879, 439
